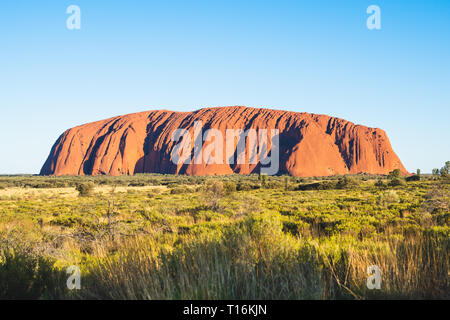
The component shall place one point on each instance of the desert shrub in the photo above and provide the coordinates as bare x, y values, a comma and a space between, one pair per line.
274, 185
380, 183
324, 185
179, 190
39, 185
214, 187
395, 174
388, 197
85, 189
67, 221
137, 184
295, 227
436, 201
229, 187
348, 182
246, 186
25, 274
213, 191
395, 182
413, 178
173, 184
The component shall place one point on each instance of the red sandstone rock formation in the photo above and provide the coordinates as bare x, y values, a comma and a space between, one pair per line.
309, 144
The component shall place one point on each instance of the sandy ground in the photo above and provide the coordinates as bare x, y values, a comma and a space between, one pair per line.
67, 192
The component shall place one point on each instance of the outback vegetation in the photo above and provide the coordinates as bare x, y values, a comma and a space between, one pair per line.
154, 236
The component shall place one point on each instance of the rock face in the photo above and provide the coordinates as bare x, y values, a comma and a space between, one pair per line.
308, 144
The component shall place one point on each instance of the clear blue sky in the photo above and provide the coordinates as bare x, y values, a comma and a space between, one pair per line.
312, 56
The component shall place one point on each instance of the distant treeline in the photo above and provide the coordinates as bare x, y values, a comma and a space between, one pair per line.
242, 182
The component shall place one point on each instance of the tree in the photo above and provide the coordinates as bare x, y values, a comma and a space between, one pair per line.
445, 171
418, 172
435, 171
446, 167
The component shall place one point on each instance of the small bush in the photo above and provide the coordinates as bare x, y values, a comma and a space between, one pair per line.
179, 190
213, 191
246, 186
348, 183
395, 182
85, 189
275, 185
324, 185
229, 187
413, 178
25, 274
395, 174
388, 197
380, 184
137, 184
215, 187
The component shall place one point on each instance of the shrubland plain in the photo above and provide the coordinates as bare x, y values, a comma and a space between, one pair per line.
151, 236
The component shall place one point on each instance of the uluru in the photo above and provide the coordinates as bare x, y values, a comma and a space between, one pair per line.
307, 144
